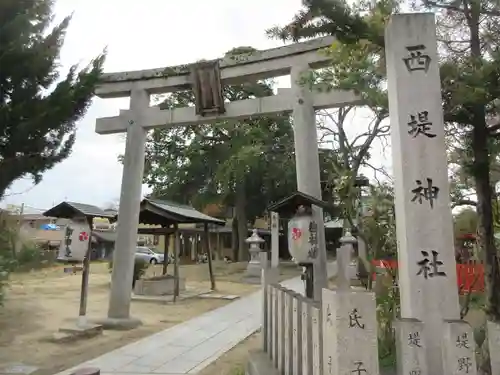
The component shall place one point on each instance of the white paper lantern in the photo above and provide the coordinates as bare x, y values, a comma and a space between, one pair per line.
75, 240
303, 239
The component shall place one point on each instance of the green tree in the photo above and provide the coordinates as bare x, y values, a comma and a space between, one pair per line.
378, 223
37, 113
470, 74
7, 253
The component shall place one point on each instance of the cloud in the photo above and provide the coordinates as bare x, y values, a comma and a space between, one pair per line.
139, 35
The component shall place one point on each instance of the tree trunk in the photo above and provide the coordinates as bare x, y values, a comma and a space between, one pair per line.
485, 216
234, 238
481, 172
241, 203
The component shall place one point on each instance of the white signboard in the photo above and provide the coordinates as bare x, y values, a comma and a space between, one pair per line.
303, 239
75, 241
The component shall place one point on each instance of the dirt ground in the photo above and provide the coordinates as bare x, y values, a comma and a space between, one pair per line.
40, 302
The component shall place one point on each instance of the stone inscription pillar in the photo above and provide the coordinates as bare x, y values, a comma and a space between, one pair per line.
427, 269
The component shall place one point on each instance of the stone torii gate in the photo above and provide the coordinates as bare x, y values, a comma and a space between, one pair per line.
205, 79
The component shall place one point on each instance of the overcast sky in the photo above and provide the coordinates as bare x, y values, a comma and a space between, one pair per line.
139, 35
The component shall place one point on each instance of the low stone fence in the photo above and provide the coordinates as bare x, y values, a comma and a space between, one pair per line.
339, 336
292, 331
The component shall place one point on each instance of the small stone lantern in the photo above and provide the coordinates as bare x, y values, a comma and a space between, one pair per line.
254, 267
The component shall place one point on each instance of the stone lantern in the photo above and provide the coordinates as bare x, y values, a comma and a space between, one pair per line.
254, 267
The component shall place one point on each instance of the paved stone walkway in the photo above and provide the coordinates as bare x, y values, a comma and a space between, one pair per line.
190, 346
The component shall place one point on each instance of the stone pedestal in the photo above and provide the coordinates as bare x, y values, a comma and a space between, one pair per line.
459, 349
349, 333
158, 286
410, 347
427, 268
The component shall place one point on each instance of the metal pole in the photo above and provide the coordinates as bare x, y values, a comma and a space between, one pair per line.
176, 261
82, 320
166, 239
308, 278
209, 255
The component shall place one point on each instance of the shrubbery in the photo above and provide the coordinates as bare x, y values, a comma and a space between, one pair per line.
31, 257
7, 260
28, 257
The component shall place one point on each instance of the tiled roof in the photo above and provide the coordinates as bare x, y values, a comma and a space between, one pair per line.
183, 213
71, 209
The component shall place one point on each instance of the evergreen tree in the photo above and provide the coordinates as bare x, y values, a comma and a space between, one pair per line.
38, 112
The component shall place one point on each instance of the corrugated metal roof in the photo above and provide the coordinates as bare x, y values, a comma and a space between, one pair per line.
187, 214
70, 209
89, 209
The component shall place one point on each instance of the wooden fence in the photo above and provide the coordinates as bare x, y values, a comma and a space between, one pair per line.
470, 275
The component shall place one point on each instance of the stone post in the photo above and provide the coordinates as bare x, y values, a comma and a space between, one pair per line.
254, 268
459, 349
275, 240
288, 332
297, 345
494, 345
410, 347
128, 214
269, 277
275, 323
306, 332
307, 163
349, 332
281, 329
344, 256
427, 268
316, 339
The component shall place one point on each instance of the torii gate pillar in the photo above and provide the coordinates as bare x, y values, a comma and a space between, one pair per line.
307, 164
